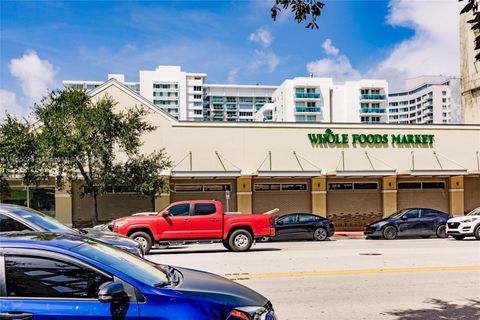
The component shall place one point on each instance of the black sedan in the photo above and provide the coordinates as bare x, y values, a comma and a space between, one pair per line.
21, 219
302, 226
414, 222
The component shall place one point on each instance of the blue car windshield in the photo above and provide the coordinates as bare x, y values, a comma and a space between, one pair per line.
124, 262
45, 222
398, 214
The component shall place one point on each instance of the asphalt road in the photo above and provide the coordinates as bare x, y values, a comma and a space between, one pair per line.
351, 278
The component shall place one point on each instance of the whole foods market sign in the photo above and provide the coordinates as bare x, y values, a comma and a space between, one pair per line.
329, 137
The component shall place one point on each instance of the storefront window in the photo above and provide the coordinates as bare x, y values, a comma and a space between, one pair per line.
38, 198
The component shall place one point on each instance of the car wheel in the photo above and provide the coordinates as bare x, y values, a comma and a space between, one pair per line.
442, 231
477, 232
144, 239
458, 237
390, 233
240, 240
320, 234
225, 244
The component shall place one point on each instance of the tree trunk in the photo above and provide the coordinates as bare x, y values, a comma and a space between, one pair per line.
94, 208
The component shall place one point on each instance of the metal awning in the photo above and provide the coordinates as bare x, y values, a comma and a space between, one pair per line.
435, 172
363, 173
206, 174
288, 173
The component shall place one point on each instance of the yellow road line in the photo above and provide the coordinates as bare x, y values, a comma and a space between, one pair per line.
245, 276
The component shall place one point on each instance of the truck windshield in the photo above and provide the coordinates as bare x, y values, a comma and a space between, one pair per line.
124, 262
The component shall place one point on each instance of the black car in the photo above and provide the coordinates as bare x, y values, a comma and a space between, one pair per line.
21, 219
302, 226
413, 222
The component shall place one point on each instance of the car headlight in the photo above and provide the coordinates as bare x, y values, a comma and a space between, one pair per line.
120, 224
252, 313
469, 220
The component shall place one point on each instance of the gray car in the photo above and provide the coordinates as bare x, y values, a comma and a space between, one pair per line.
15, 218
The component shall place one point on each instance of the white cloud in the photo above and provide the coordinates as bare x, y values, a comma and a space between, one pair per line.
265, 58
262, 36
329, 48
35, 75
338, 66
8, 103
433, 50
232, 75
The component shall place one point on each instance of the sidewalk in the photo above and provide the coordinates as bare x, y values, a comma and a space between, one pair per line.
348, 235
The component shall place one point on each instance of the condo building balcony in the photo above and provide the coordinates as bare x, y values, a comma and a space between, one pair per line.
305, 95
373, 97
307, 109
373, 110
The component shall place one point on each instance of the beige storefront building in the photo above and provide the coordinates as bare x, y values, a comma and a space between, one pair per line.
351, 173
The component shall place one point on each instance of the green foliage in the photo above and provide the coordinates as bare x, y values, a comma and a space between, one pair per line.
472, 6
302, 10
76, 139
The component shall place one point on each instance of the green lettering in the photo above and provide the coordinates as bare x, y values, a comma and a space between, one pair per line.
315, 138
370, 138
355, 138
430, 138
410, 138
417, 138
385, 138
344, 138
395, 138
363, 138
404, 139
424, 139
378, 139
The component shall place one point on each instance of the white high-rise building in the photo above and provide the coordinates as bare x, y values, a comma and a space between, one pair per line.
229, 102
90, 85
311, 99
426, 99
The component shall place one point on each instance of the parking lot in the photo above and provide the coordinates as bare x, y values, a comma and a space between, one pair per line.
350, 278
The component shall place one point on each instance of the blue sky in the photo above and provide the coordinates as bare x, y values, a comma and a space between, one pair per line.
231, 41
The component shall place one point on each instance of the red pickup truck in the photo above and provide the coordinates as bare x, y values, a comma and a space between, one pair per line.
196, 220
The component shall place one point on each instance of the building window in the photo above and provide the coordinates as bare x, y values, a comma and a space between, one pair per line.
38, 198
265, 187
334, 186
197, 112
203, 187
197, 88
422, 185
197, 96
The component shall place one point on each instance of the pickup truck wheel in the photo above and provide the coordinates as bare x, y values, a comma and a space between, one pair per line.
225, 244
240, 240
144, 239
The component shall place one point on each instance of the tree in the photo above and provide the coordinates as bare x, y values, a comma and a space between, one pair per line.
76, 139
302, 10
472, 6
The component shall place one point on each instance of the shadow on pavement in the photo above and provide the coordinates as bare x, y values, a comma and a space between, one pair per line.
441, 309
173, 251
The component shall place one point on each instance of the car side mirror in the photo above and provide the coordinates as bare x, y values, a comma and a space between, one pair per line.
164, 214
111, 291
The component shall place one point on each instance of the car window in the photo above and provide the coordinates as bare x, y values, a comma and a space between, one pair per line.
303, 218
41, 220
411, 214
179, 210
289, 219
9, 224
429, 213
202, 209
30, 276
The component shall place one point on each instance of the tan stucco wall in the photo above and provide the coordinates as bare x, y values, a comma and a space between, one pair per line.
471, 193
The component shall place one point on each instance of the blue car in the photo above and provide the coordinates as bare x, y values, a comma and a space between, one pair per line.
49, 276
413, 222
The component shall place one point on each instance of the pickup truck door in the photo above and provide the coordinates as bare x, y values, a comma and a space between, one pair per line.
176, 224
206, 221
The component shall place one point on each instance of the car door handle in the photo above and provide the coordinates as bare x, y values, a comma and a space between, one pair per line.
187, 220
16, 315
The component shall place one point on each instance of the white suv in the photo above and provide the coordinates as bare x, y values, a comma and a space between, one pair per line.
466, 226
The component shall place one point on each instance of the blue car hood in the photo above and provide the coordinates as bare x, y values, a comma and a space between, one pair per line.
219, 289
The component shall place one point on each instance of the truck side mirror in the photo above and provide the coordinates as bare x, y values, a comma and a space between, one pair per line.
111, 291
164, 214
